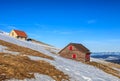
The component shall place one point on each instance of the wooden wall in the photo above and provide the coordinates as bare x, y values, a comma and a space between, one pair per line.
67, 53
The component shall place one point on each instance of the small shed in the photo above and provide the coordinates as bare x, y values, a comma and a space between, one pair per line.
76, 51
18, 34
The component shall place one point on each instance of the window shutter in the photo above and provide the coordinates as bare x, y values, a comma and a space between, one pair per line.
70, 47
74, 56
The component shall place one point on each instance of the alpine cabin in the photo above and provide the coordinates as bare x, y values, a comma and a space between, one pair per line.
18, 34
76, 51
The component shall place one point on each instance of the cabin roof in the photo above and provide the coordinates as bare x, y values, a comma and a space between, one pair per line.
80, 47
20, 33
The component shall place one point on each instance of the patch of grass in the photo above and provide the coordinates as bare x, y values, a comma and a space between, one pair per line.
105, 68
23, 50
114, 65
21, 67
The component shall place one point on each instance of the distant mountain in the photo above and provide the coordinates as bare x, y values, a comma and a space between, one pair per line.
107, 56
106, 53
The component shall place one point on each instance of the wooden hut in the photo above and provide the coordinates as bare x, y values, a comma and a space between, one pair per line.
76, 51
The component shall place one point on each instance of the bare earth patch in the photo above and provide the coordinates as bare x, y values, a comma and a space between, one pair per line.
23, 50
114, 65
105, 68
21, 67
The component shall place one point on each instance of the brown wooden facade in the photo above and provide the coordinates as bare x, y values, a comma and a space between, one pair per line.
76, 51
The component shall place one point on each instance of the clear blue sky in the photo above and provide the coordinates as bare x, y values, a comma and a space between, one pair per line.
94, 23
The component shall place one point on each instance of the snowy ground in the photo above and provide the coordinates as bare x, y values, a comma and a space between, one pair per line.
105, 62
76, 70
38, 77
79, 71
3, 49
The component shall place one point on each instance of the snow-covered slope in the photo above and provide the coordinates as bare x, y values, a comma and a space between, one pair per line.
76, 70
45, 46
2, 32
38, 77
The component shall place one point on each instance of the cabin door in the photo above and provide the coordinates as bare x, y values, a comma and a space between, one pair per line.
87, 57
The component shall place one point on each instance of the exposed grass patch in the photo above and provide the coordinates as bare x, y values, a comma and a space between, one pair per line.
21, 67
114, 65
23, 50
105, 68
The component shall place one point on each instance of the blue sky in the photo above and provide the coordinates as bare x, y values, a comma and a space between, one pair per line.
94, 23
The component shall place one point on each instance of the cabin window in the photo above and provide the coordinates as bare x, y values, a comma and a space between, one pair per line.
74, 56
70, 48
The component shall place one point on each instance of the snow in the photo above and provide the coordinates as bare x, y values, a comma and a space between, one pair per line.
3, 49
5, 33
117, 69
96, 60
111, 58
35, 57
103, 61
81, 72
24, 43
38, 77
77, 71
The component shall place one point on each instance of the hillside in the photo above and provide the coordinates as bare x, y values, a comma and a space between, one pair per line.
36, 61
113, 57
48, 47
